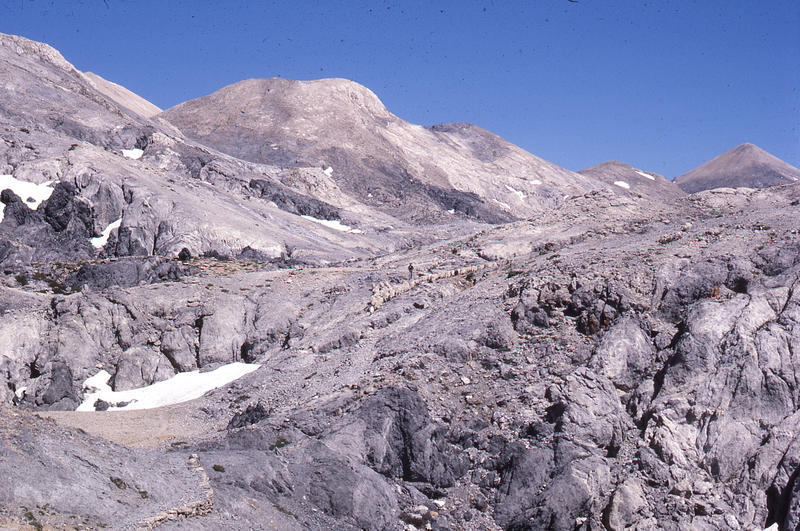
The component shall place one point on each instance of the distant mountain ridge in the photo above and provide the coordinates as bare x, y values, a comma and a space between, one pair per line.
117, 168
407, 170
746, 165
629, 180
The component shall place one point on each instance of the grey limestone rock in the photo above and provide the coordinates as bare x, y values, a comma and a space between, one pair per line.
140, 367
401, 441
625, 354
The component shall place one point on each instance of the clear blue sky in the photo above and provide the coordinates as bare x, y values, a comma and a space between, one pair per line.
663, 85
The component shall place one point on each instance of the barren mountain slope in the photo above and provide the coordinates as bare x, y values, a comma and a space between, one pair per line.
743, 166
122, 96
138, 187
404, 169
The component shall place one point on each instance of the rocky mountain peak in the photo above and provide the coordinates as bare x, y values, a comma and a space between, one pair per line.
45, 52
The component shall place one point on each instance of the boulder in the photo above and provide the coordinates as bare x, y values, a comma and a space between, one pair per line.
140, 367
60, 393
625, 354
400, 440
627, 503
222, 333
179, 347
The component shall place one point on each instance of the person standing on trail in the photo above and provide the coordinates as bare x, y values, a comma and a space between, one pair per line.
410, 272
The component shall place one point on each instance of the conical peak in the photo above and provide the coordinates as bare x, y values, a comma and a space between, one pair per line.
745, 154
746, 165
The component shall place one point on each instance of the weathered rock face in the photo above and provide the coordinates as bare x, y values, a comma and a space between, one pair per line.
625, 354
401, 441
728, 384
140, 367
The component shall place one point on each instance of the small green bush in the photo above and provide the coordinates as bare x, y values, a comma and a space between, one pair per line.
280, 442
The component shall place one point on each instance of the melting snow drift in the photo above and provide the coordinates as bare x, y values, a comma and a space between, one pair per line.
182, 387
622, 184
333, 224
100, 241
646, 175
31, 194
519, 193
134, 153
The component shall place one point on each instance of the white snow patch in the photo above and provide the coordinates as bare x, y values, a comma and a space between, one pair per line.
100, 241
334, 224
20, 392
519, 193
773, 527
134, 153
536, 181
31, 194
646, 175
622, 184
452, 211
182, 387
328, 171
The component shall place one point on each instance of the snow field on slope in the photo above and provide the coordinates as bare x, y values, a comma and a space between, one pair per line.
519, 193
134, 153
646, 175
182, 387
26, 191
333, 224
101, 240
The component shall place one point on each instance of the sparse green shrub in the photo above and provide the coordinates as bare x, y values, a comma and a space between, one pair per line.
280, 442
